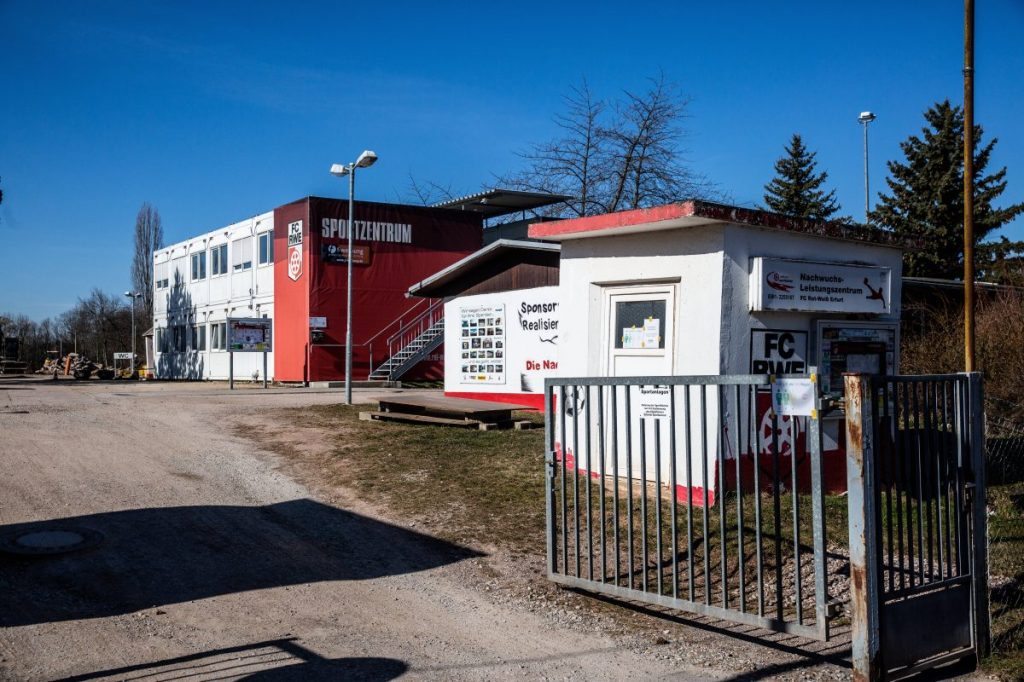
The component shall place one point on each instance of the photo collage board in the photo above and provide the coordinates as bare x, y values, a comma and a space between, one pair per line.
483, 344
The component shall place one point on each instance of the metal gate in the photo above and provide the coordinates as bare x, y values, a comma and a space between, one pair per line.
917, 522
688, 492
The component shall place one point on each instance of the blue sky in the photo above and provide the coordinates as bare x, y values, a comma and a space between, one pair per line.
216, 112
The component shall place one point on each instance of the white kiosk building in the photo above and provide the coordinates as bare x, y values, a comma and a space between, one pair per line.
696, 288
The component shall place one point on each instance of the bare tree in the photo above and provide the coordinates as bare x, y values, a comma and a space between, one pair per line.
572, 163
616, 155
428, 193
149, 236
102, 324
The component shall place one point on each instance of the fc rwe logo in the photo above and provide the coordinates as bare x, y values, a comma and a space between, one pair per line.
295, 261
295, 250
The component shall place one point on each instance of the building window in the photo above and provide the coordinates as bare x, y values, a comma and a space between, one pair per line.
266, 248
218, 332
241, 254
198, 340
198, 266
179, 339
160, 275
640, 324
219, 260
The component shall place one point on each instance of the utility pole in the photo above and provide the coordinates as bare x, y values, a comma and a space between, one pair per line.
969, 185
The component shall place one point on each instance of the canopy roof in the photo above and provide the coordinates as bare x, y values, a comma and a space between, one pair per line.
449, 281
497, 202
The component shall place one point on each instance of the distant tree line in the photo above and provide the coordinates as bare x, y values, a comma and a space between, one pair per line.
98, 325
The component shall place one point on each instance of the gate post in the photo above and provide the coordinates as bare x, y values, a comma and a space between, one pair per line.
976, 421
861, 495
550, 420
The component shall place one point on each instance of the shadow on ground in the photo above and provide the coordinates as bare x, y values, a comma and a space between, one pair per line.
152, 557
280, 660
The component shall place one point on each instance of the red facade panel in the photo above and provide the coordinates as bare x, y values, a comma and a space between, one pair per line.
291, 293
395, 247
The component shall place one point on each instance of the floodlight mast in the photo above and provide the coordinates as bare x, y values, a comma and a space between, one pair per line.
864, 119
365, 160
133, 295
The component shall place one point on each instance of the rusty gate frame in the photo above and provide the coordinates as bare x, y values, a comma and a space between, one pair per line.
864, 483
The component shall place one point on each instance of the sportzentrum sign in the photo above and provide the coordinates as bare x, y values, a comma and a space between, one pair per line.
807, 286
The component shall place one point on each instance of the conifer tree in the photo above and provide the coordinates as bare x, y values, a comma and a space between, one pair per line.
926, 204
796, 189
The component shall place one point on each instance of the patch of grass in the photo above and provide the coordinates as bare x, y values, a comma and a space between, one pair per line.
485, 487
1006, 567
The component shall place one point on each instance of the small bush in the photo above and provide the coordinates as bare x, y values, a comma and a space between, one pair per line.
933, 342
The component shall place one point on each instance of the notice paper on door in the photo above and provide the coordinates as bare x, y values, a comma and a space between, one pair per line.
632, 337
652, 333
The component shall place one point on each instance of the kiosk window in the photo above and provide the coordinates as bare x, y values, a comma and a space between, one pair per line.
640, 324
865, 364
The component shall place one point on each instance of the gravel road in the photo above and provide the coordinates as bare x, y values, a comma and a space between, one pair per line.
216, 564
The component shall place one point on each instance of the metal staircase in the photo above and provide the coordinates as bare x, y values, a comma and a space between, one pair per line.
414, 341
411, 354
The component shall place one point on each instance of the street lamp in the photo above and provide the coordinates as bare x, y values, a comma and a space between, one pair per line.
365, 160
865, 118
133, 295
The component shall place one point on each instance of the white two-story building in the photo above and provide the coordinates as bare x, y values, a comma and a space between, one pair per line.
202, 281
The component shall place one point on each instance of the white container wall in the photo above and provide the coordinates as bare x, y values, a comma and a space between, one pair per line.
199, 284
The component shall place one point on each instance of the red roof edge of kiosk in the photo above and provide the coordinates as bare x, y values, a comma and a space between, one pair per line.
694, 213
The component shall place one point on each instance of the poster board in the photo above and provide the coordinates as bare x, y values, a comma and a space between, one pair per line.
531, 344
482, 343
249, 334
855, 346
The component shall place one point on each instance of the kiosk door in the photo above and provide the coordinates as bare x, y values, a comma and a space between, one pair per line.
639, 335
639, 344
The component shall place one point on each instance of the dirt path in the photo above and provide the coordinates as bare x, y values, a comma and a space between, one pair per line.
216, 564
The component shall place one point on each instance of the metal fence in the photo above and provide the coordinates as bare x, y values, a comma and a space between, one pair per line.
688, 492
924, 473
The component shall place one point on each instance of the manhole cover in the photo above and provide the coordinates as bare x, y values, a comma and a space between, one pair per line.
49, 541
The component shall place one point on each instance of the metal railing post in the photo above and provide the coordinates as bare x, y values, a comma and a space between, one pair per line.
861, 482
818, 513
549, 475
976, 421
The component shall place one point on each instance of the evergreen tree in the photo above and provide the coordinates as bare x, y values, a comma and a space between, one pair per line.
796, 188
927, 203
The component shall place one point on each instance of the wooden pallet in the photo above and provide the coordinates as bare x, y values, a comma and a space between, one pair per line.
442, 411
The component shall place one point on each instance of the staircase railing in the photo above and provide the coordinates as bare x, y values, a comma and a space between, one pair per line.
411, 330
384, 344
